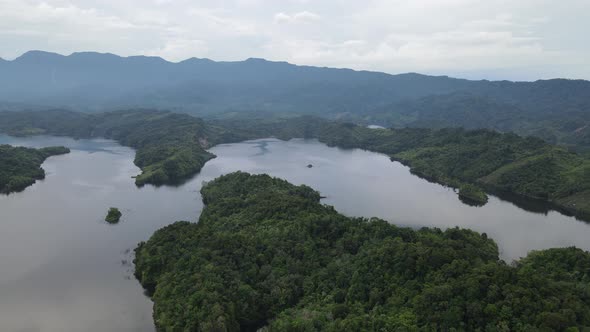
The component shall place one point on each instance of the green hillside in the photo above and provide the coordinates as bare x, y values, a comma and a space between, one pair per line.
20, 167
267, 255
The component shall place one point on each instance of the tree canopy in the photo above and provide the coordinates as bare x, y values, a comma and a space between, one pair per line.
456, 157
20, 167
171, 148
268, 255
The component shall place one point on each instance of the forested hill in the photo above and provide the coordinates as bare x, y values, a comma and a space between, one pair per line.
555, 110
266, 254
172, 147
20, 167
456, 157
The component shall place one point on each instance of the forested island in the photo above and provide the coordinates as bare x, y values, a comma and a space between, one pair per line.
268, 255
20, 167
172, 147
113, 216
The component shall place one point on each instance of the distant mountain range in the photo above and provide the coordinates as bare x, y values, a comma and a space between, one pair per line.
99, 81
557, 110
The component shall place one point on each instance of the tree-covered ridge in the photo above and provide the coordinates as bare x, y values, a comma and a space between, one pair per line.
267, 254
506, 162
170, 147
555, 111
20, 167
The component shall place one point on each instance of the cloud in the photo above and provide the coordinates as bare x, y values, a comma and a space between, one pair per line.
178, 49
518, 39
301, 17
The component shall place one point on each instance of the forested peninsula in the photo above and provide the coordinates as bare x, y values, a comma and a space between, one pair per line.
456, 157
268, 255
171, 148
20, 167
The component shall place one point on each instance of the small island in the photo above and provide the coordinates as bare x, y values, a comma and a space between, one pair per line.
472, 195
113, 216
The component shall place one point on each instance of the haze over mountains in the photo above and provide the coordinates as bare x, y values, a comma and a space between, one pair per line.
556, 110
93, 80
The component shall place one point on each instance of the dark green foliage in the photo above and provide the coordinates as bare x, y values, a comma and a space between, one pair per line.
266, 254
473, 194
113, 216
20, 167
170, 147
556, 111
506, 162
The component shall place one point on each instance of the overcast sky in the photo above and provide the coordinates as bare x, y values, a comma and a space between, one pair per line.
495, 39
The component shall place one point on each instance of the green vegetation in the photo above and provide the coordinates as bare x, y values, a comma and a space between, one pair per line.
455, 157
266, 254
545, 109
20, 167
113, 216
555, 110
170, 147
473, 194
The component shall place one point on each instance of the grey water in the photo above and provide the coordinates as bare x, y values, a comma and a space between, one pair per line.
62, 268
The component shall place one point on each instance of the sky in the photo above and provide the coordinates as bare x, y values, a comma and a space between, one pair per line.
490, 39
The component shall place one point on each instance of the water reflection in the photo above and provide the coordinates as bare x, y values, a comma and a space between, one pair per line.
64, 269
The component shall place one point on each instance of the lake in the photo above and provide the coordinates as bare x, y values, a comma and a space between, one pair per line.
63, 268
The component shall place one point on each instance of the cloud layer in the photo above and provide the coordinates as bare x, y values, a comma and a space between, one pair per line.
522, 40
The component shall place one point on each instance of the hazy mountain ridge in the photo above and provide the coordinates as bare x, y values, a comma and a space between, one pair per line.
559, 117
556, 110
93, 80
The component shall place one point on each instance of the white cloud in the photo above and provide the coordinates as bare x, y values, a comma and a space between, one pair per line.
301, 17
179, 48
518, 39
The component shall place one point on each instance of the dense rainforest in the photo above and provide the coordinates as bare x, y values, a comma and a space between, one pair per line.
20, 167
171, 147
268, 255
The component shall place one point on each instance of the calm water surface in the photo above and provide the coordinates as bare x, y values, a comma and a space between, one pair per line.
62, 268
